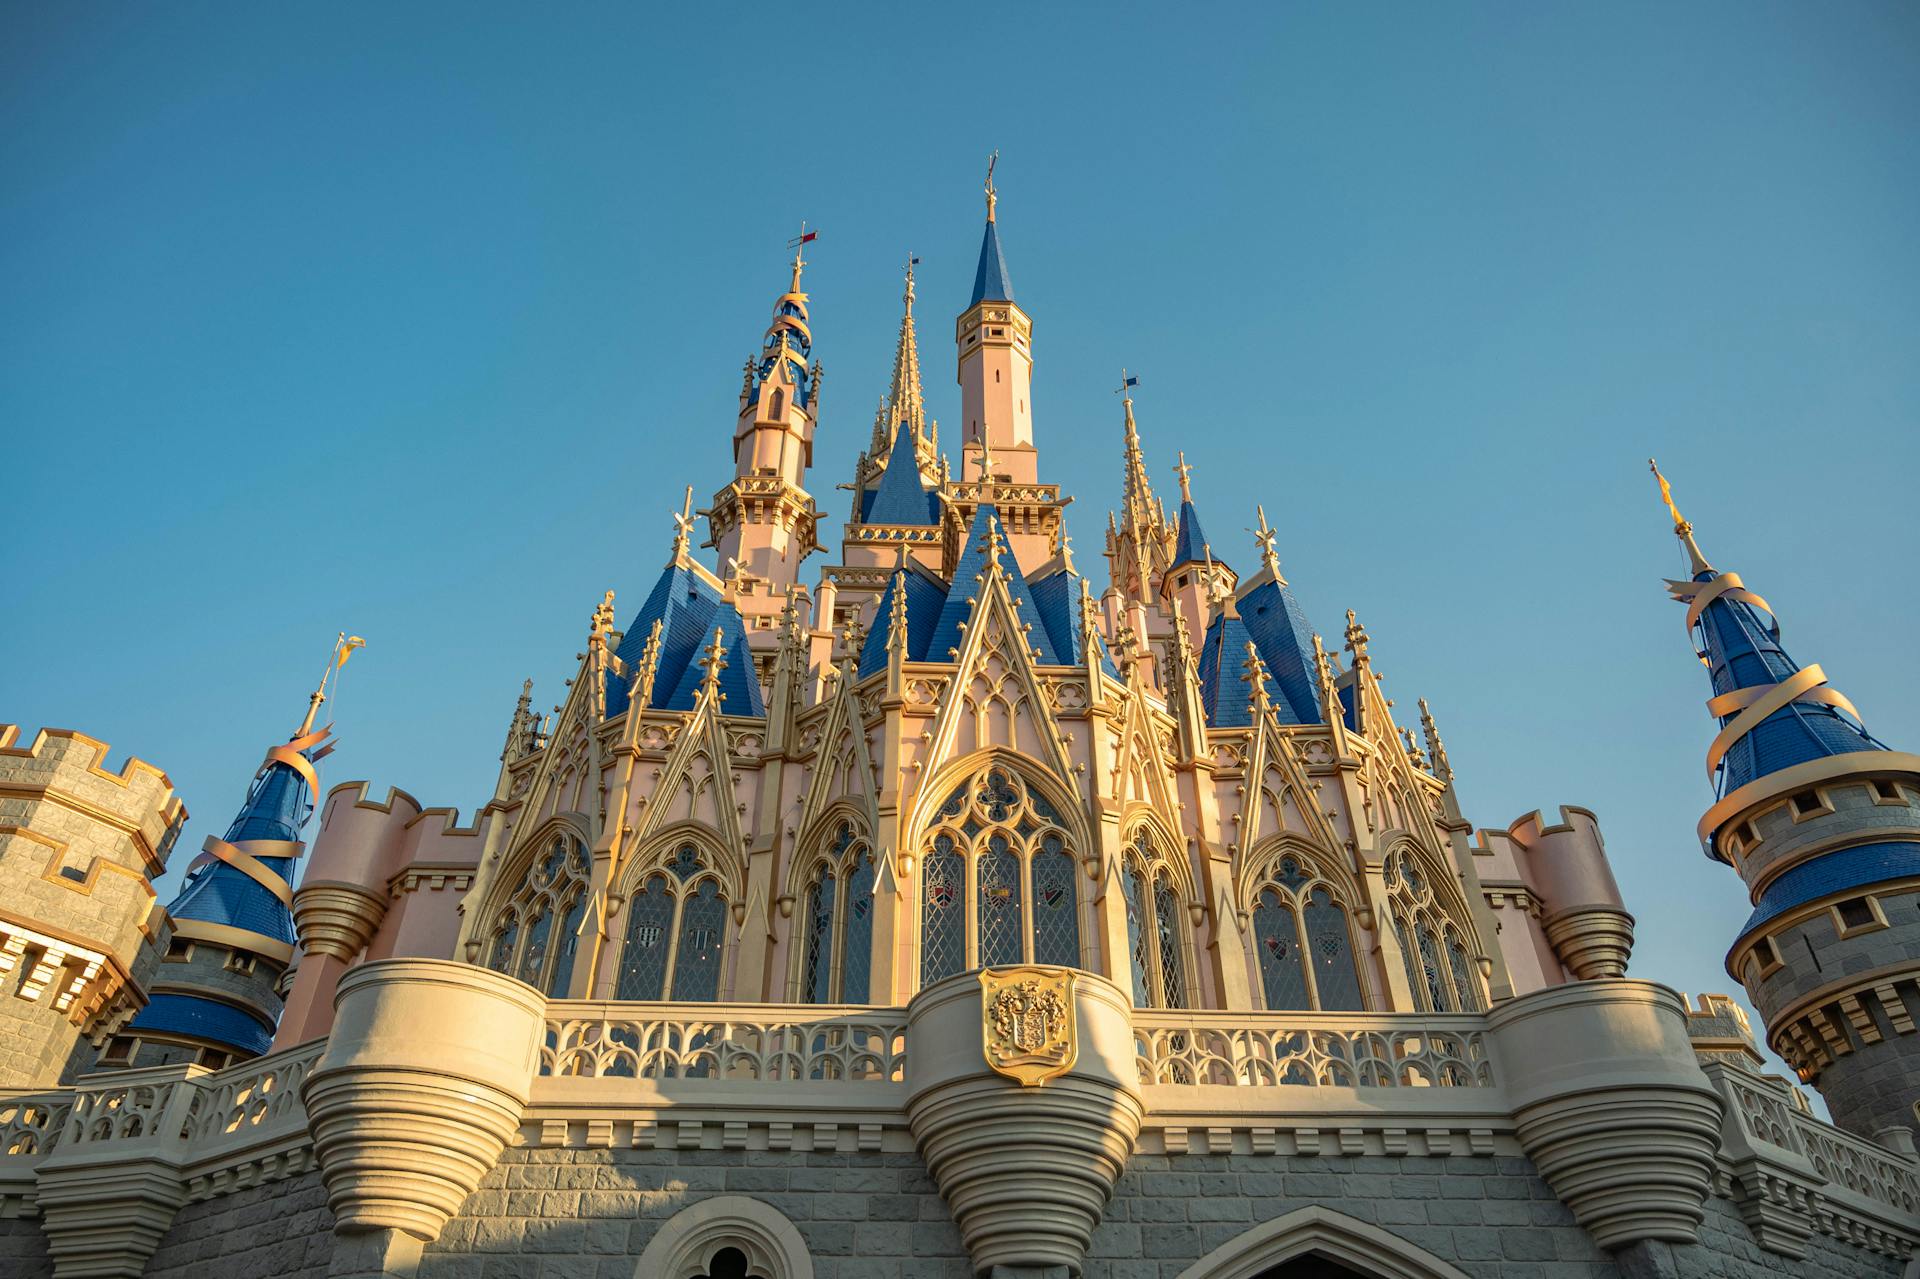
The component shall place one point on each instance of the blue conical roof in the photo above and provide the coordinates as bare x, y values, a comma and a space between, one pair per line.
900, 497
1190, 543
276, 808
963, 594
689, 609
990, 281
1742, 646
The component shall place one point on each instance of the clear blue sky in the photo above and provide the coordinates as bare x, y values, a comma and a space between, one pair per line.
412, 320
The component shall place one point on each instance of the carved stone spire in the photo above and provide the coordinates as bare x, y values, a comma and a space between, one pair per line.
1436, 749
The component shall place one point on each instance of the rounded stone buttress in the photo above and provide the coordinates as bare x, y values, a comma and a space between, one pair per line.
1611, 1105
422, 1084
1026, 1169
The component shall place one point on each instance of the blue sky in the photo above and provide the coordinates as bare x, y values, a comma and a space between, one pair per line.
413, 320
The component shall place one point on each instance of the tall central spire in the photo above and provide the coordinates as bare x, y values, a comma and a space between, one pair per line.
904, 406
995, 341
1141, 542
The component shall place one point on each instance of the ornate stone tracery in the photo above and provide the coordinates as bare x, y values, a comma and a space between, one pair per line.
1157, 943
1302, 937
673, 942
833, 940
536, 933
1440, 968
998, 881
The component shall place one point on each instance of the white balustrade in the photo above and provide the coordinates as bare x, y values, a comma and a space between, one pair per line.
717, 1041
1344, 1050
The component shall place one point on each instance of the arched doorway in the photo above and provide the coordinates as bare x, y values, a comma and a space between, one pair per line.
1319, 1243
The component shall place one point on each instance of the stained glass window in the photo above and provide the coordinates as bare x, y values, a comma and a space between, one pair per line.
552, 896
1000, 931
856, 967
1440, 966
943, 921
533, 955
503, 942
1466, 987
1276, 940
1336, 977
1138, 944
819, 940
566, 947
643, 955
1056, 908
997, 852
696, 961
1166, 915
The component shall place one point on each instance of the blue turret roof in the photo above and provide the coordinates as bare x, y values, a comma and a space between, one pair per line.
276, 808
900, 497
1062, 612
1190, 543
1831, 874
690, 609
1742, 646
1271, 618
934, 612
991, 282
208, 1019
962, 591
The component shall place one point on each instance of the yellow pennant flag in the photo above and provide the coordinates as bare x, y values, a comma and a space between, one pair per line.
346, 648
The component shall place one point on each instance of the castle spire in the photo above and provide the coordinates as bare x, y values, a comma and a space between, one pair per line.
1140, 542
1773, 712
904, 405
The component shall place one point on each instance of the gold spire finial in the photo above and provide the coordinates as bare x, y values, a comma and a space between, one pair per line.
1185, 473
992, 198
1264, 536
1682, 529
343, 648
799, 244
683, 527
908, 299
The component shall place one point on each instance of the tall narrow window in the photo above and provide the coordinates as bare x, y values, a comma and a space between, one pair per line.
1276, 938
703, 924
856, 969
820, 904
1166, 914
1056, 921
1155, 932
997, 851
643, 955
943, 921
567, 947
1330, 954
536, 935
837, 930
1465, 988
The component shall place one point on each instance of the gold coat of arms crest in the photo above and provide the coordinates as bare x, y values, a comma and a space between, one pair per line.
1027, 1022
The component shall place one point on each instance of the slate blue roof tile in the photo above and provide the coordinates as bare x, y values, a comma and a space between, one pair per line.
924, 601
973, 561
221, 1023
900, 498
1832, 873
991, 282
690, 609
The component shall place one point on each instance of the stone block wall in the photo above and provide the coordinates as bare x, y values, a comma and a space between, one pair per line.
281, 1230
589, 1214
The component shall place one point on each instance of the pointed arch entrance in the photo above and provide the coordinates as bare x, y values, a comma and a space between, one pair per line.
1319, 1243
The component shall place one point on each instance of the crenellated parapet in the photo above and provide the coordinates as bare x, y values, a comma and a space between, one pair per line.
1553, 891
80, 845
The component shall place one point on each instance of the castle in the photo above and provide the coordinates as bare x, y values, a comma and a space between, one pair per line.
940, 911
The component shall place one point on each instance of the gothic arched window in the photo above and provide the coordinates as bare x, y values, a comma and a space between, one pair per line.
676, 932
837, 954
1440, 971
537, 933
1156, 936
1302, 945
997, 857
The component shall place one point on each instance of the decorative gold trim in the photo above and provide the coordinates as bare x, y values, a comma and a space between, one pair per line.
1799, 776
234, 938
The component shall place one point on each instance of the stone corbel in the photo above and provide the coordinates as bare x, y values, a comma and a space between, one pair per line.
422, 1084
337, 919
1592, 941
1611, 1106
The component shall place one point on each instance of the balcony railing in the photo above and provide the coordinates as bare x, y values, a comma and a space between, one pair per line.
1339, 1050
720, 1041
1765, 1111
